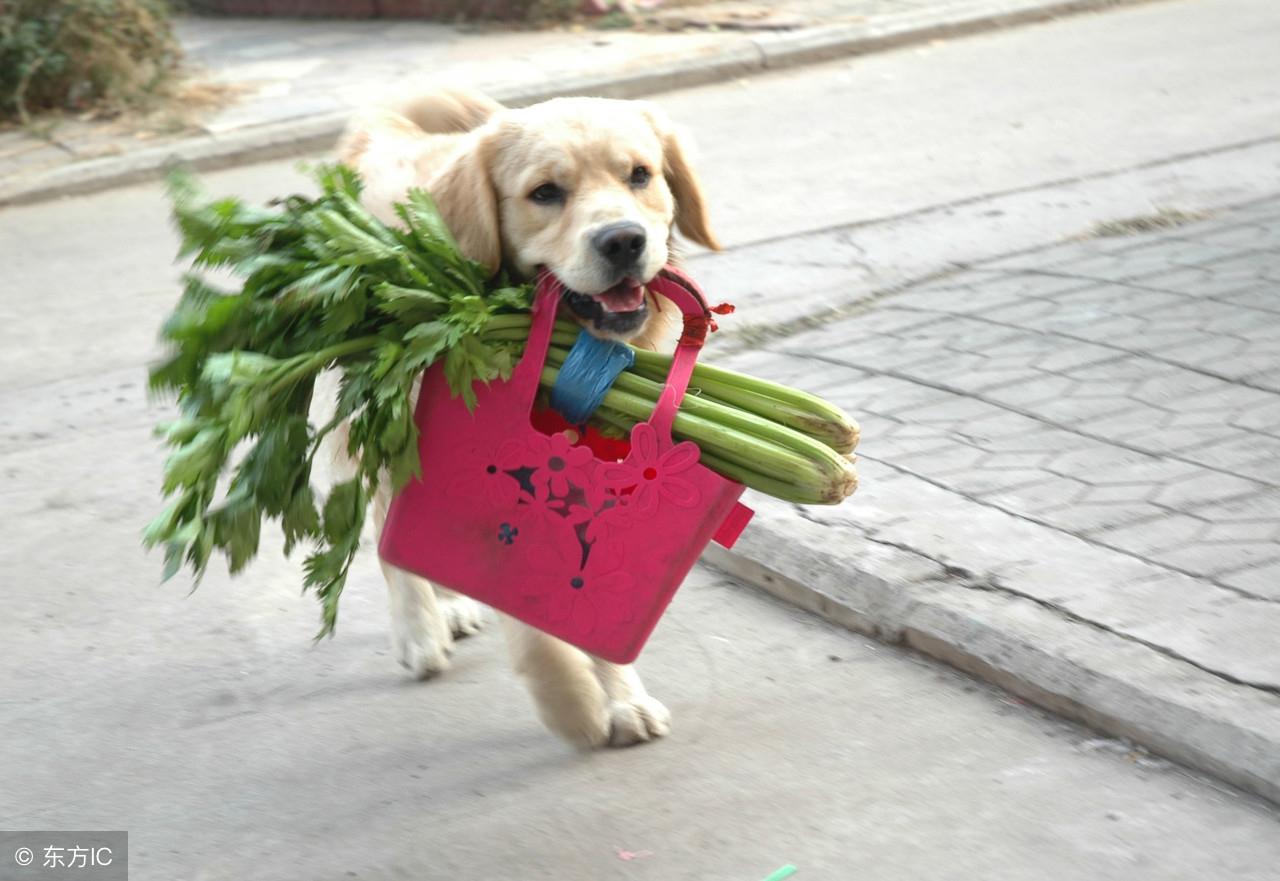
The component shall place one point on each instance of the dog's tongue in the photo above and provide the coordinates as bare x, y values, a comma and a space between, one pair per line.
625, 296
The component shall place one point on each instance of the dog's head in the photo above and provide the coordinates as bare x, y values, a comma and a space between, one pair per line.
590, 188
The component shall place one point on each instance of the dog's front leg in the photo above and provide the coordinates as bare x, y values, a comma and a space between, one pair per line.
634, 716
585, 700
421, 637
568, 696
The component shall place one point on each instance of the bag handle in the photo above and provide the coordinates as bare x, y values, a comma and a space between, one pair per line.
685, 293
670, 283
524, 379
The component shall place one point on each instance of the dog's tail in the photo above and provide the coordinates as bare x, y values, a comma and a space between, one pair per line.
442, 112
448, 111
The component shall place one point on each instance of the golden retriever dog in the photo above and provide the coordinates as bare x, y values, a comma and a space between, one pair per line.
593, 190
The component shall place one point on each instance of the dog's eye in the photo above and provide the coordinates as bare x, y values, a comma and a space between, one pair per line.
640, 176
547, 194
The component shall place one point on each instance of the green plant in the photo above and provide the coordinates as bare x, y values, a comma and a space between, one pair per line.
545, 12
323, 284
615, 20
82, 54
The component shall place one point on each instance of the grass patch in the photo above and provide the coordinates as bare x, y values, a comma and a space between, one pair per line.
105, 56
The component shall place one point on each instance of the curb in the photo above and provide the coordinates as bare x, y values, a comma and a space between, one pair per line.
753, 56
1112, 685
898, 594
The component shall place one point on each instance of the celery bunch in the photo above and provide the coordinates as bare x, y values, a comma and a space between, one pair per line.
322, 284
775, 439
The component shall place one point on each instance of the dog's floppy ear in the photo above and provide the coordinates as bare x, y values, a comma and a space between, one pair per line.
463, 190
691, 205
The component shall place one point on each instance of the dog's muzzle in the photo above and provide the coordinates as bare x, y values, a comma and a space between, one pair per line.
619, 311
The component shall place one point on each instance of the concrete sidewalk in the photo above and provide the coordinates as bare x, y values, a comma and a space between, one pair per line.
1070, 481
300, 80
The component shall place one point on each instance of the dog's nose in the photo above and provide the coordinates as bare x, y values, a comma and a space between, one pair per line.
620, 243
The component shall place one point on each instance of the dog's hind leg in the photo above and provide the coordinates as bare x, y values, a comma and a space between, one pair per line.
463, 614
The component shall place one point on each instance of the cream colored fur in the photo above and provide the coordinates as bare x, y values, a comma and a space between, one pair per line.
480, 162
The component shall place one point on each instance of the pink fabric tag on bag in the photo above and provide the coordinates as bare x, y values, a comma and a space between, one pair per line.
732, 525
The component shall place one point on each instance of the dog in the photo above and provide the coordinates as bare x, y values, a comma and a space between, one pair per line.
593, 190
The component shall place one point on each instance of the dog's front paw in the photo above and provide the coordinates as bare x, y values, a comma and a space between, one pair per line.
637, 721
464, 615
418, 649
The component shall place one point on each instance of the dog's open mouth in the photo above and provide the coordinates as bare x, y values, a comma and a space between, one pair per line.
618, 311
626, 296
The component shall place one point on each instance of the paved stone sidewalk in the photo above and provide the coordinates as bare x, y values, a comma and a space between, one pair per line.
1125, 393
297, 81
1094, 428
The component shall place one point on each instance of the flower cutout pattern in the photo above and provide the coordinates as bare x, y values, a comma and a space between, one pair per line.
542, 509
651, 476
566, 515
586, 597
559, 464
612, 517
484, 474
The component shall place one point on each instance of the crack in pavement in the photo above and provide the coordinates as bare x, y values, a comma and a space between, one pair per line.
990, 583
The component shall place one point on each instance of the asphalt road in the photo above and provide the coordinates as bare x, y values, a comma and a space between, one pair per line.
210, 727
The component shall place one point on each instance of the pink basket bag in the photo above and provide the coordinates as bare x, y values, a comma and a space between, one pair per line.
537, 525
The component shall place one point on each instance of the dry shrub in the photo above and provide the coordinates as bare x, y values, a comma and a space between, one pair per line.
107, 55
